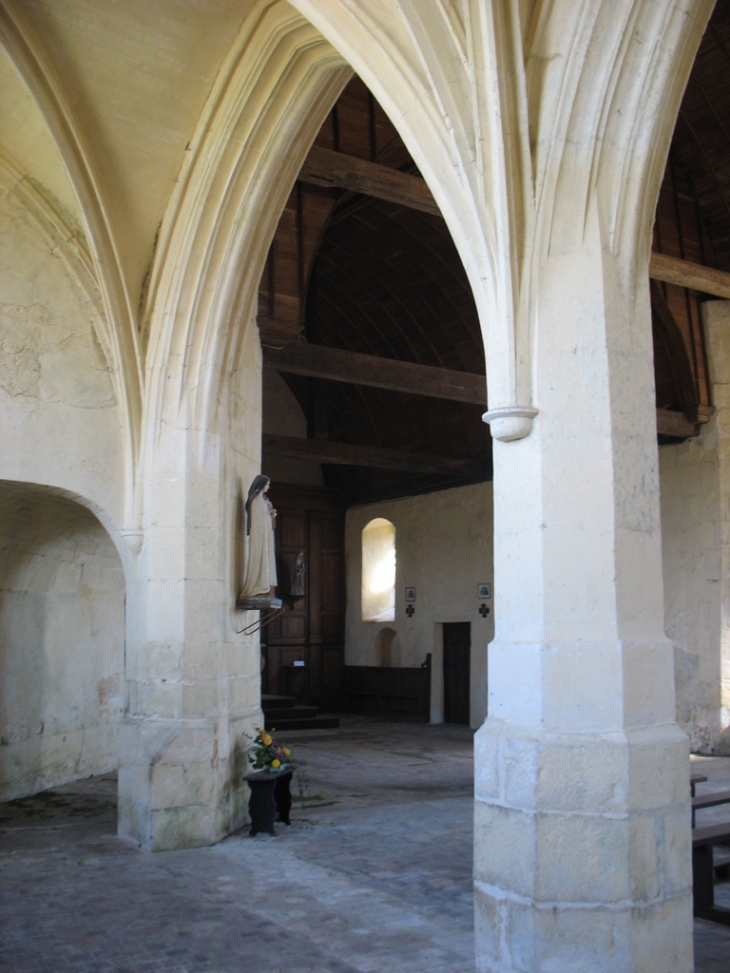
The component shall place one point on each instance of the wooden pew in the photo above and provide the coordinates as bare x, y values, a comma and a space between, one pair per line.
703, 872
388, 691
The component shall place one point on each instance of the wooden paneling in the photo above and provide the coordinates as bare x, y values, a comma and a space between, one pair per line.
679, 232
312, 627
386, 691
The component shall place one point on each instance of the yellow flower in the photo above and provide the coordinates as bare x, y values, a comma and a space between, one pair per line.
266, 739
287, 752
276, 763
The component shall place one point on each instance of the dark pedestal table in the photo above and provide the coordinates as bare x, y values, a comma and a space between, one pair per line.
270, 799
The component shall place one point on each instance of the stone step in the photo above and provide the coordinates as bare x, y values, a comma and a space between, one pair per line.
285, 713
298, 712
276, 702
305, 723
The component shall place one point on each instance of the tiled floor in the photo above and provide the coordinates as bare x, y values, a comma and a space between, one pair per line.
373, 876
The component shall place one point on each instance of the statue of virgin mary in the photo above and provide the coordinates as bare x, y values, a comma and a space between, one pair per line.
259, 572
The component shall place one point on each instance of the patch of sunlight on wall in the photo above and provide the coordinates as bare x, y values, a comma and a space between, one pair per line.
378, 571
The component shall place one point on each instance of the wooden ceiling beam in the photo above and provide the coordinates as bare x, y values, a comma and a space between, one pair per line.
323, 167
346, 454
675, 424
684, 273
318, 361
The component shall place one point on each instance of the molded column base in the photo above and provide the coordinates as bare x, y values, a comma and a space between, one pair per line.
178, 786
582, 854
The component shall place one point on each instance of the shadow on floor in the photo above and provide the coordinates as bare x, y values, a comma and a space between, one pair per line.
374, 873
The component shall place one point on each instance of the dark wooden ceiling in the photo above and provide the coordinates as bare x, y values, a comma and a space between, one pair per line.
368, 267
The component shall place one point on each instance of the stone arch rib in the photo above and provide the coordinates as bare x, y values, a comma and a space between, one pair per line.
280, 80
122, 344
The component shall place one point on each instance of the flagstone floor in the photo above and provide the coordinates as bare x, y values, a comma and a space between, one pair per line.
372, 876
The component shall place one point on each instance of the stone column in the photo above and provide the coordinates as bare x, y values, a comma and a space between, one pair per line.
717, 334
582, 819
193, 683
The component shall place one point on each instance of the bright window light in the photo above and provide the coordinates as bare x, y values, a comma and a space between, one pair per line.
378, 571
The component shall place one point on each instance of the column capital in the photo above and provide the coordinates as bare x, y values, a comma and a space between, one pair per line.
510, 422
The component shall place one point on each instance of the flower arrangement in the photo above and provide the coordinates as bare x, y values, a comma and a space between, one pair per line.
266, 754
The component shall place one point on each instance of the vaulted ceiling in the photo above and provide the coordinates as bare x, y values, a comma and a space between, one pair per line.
363, 265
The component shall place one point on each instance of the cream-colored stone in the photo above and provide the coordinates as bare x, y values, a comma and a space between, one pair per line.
61, 681
520, 771
166, 619
490, 922
591, 697
572, 849
508, 662
159, 698
648, 683
554, 939
583, 773
504, 848
487, 763
201, 698
182, 827
178, 785
658, 768
661, 939
643, 852
675, 854
131, 377
567, 940
186, 741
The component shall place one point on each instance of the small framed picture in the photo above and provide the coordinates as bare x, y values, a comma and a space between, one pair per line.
410, 594
485, 590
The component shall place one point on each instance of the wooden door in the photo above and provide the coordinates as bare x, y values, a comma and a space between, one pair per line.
457, 653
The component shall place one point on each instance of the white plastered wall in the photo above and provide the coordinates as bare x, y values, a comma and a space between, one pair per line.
443, 550
60, 421
61, 642
61, 579
690, 499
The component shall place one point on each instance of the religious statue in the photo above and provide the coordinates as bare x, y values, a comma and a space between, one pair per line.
296, 584
259, 572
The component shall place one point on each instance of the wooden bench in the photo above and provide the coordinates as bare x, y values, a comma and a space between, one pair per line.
703, 871
388, 691
708, 800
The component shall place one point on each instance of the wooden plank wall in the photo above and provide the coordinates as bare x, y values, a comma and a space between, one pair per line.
678, 232
312, 629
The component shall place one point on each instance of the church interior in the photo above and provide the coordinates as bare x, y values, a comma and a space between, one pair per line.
456, 277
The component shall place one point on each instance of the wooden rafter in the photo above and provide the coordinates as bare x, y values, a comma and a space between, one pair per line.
685, 273
324, 167
674, 424
317, 361
333, 364
346, 454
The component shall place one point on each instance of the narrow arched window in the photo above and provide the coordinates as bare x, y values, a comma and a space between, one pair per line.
378, 571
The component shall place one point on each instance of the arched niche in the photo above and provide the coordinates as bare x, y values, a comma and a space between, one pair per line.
62, 590
387, 648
